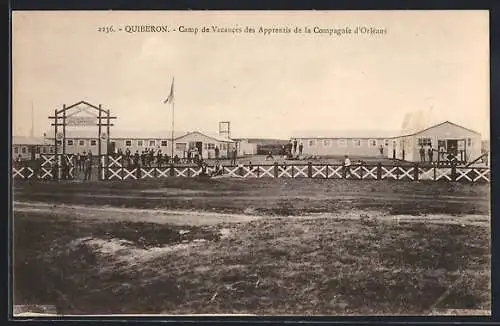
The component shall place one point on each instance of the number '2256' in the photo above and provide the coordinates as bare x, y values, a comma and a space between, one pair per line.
105, 29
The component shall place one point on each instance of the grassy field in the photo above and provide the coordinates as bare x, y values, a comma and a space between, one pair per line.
296, 246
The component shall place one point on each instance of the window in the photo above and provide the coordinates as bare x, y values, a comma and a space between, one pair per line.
164, 143
16, 150
356, 142
152, 143
180, 146
223, 146
211, 146
44, 149
386, 142
139, 143
93, 142
342, 143
128, 143
51, 149
81, 142
312, 143
23, 150
59, 143
70, 142
424, 142
38, 149
469, 142
372, 143
326, 142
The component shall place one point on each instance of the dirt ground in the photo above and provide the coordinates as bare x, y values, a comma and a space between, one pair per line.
183, 246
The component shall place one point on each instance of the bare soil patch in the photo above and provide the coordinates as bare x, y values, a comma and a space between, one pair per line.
252, 247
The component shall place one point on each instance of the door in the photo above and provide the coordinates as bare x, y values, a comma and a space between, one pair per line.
199, 147
111, 147
452, 146
32, 150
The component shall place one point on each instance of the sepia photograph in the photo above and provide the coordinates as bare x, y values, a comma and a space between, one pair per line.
250, 163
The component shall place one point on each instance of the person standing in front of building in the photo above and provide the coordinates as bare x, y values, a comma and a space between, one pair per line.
347, 167
216, 152
159, 159
295, 146
77, 165
82, 160
430, 153
441, 153
87, 168
235, 153
422, 153
301, 148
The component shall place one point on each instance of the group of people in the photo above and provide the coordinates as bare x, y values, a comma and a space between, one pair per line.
430, 154
154, 157
146, 158
80, 162
293, 149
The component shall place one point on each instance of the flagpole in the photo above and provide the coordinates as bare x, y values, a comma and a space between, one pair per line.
172, 140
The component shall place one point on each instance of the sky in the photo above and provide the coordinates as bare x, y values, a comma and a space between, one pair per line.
267, 86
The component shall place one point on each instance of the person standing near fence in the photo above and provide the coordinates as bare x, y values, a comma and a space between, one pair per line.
422, 153
347, 167
430, 152
87, 168
78, 160
159, 158
301, 147
233, 161
82, 161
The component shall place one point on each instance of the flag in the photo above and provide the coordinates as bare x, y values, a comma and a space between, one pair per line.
170, 97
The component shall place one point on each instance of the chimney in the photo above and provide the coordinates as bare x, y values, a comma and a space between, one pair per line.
225, 129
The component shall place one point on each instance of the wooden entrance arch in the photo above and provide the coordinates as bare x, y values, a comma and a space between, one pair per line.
68, 116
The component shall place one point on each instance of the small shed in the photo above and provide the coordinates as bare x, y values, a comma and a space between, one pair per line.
207, 145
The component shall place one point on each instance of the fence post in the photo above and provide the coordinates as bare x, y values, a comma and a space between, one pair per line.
361, 171
453, 171
122, 166
240, 170
59, 167
309, 170
276, 169
415, 172
379, 171
434, 168
326, 170
172, 170
397, 171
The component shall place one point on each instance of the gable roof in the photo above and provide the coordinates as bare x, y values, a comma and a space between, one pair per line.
28, 140
438, 125
211, 136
